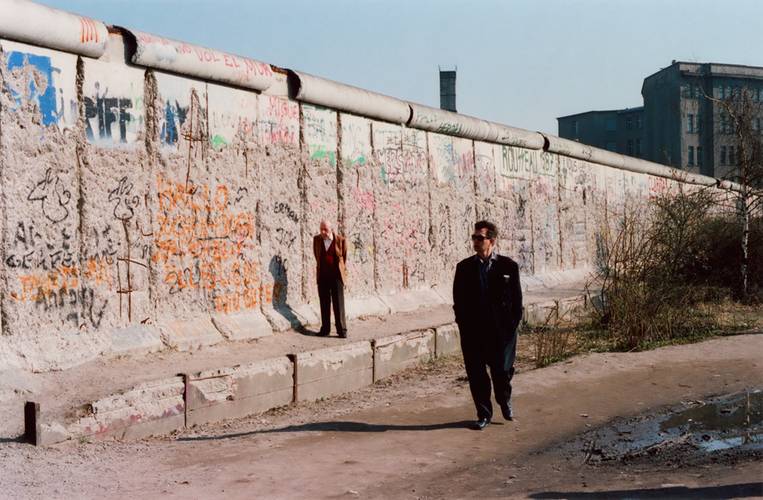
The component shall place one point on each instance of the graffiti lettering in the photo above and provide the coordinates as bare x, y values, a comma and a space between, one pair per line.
201, 244
53, 197
284, 208
285, 238
125, 205
105, 112
174, 118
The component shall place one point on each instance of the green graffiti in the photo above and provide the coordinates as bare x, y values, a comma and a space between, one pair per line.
218, 142
320, 153
358, 161
384, 177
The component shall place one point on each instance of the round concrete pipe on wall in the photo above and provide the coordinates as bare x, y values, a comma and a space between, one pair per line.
192, 60
569, 148
647, 167
585, 152
447, 122
512, 136
43, 26
608, 158
323, 92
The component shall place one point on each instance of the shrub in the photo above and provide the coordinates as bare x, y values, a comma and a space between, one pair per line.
657, 266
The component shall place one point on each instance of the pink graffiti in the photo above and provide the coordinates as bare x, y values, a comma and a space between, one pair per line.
364, 199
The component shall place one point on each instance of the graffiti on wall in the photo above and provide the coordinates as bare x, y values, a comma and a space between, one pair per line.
232, 116
108, 118
278, 120
175, 115
453, 166
201, 244
320, 133
43, 254
36, 79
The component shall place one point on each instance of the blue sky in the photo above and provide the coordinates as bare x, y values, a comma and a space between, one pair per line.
520, 62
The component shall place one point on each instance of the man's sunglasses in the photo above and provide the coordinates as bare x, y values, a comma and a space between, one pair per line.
479, 237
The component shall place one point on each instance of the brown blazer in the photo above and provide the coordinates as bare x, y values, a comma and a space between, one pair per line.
340, 247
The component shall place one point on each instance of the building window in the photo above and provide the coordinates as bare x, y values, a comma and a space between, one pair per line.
611, 146
691, 156
732, 156
575, 128
638, 122
610, 125
698, 124
725, 125
690, 123
638, 147
628, 123
723, 155
699, 156
629, 147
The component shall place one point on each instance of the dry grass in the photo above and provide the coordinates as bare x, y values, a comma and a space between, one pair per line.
660, 276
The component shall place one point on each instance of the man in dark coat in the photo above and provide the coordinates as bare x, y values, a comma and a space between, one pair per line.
487, 300
330, 251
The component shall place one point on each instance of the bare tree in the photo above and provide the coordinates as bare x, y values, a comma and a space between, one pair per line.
742, 117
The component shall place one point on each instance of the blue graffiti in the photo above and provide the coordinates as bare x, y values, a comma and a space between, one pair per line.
174, 117
40, 89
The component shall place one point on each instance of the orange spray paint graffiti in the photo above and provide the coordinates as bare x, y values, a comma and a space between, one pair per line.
201, 243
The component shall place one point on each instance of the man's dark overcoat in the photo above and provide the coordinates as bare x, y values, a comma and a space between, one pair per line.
487, 320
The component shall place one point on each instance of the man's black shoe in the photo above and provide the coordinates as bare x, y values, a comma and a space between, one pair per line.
481, 424
507, 411
343, 335
322, 333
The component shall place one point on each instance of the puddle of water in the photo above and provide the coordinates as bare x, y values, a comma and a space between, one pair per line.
734, 421
731, 423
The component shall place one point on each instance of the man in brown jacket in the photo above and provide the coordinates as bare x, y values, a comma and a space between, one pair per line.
330, 251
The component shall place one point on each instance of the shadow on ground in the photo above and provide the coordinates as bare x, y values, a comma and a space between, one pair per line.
339, 427
744, 490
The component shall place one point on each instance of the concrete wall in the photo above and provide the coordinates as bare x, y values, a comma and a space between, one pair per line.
144, 210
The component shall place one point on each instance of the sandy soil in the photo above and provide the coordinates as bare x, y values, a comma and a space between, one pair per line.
406, 438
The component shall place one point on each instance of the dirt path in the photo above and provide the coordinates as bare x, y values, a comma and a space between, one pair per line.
406, 439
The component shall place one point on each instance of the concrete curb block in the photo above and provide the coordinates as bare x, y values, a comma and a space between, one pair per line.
170, 404
366, 306
190, 335
445, 293
542, 313
281, 317
412, 300
135, 340
334, 370
242, 326
307, 314
235, 392
398, 352
149, 409
447, 340
554, 279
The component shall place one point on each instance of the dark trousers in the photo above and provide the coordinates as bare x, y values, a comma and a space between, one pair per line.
331, 290
493, 355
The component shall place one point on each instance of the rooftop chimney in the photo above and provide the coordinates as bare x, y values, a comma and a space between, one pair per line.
448, 89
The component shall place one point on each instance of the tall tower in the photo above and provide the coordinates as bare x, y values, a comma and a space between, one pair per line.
448, 89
